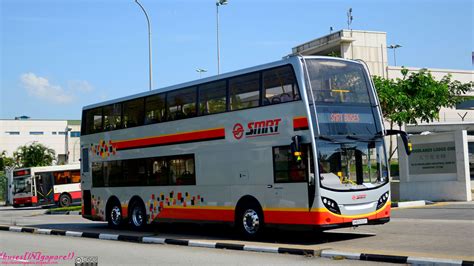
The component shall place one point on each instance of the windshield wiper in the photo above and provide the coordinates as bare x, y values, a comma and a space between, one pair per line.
361, 139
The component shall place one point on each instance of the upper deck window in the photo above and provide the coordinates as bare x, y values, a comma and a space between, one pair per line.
133, 113
212, 98
244, 91
93, 121
155, 109
181, 103
112, 116
335, 81
280, 85
273, 85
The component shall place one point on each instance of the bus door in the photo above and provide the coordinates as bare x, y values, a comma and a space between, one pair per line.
291, 187
44, 188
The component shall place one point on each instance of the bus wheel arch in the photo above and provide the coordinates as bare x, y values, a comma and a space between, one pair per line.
113, 212
65, 200
137, 213
249, 217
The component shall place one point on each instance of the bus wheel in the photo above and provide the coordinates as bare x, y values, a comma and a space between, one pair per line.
65, 200
114, 215
250, 221
137, 215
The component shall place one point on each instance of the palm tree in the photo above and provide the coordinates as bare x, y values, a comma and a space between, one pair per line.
35, 154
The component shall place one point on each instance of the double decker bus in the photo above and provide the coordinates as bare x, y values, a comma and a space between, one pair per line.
46, 185
296, 142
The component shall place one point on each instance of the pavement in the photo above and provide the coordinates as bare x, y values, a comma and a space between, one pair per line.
440, 232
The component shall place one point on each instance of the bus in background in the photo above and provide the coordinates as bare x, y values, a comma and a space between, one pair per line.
46, 185
295, 142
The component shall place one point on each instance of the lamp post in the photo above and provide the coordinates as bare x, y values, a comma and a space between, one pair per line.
149, 43
200, 71
218, 3
66, 144
394, 47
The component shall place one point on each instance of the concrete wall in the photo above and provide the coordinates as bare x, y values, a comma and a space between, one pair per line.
437, 170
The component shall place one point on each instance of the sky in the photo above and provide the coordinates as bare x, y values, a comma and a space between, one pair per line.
57, 56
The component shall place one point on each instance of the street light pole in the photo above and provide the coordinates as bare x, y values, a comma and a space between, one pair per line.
149, 44
218, 3
394, 47
66, 144
200, 71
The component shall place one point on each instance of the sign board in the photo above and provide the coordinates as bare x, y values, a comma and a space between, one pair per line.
433, 158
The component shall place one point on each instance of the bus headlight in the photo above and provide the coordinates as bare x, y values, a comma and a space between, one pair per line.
331, 205
382, 200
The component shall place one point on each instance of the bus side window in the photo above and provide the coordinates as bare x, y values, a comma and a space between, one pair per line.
279, 85
244, 91
133, 113
288, 168
155, 110
212, 98
93, 121
181, 103
112, 116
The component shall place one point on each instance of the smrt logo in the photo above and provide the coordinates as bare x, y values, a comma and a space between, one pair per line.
357, 197
238, 131
257, 128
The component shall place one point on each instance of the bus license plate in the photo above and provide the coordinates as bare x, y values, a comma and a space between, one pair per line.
359, 221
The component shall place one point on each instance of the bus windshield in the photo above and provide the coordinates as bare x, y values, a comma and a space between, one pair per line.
336, 81
352, 165
22, 185
341, 93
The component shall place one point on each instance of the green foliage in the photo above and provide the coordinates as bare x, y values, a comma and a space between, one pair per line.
418, 96
35, 154
3, 185
5, 161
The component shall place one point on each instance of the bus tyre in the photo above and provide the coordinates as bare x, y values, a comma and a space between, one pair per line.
137, 215
65, 200
114, 215
250, 220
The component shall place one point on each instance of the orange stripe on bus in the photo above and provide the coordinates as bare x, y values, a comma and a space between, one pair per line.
271, 216
201, 135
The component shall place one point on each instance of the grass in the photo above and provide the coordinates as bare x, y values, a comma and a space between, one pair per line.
64, 209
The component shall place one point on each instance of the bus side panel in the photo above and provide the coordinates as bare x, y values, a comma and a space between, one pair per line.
74, 190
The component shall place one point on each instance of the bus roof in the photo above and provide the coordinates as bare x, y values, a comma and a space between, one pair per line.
286, 60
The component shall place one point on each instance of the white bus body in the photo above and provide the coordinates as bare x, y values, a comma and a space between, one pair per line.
240, 148
47, 185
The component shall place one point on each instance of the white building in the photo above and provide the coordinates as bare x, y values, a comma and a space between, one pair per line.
51, 133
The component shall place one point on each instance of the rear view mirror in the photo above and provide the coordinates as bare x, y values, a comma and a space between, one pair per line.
405, 138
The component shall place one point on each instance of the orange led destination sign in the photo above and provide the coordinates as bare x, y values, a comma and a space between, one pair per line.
341, 118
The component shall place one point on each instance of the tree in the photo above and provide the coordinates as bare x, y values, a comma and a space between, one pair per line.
5, 161
35, 154
417, 97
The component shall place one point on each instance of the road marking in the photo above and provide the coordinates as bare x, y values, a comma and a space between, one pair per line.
108, 236
261, 249
43, 231
194, 243
153, 240
421, 260
73, 233
328, 253
15, 229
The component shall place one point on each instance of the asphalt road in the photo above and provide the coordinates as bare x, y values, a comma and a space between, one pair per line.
125, 253
439, 231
